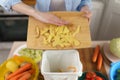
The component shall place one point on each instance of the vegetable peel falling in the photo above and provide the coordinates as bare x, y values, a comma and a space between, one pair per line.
59, 36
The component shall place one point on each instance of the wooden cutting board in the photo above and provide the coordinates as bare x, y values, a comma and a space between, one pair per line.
76, 20
29, 2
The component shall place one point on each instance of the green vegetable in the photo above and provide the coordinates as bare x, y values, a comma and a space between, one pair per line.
31, 53
115, 47
117, 77
118, 71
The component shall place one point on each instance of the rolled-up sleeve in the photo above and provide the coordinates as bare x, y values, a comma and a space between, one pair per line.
7, 4
85, 2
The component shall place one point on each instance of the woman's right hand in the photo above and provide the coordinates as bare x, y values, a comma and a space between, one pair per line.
49, 18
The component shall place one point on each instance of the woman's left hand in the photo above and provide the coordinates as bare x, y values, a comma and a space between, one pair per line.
87, 12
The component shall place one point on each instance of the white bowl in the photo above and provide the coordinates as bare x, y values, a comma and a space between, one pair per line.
109, 54
18, 49
32, 55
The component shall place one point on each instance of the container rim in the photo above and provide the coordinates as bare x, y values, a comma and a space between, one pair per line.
62, 73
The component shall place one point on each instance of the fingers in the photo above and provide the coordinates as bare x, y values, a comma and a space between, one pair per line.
50, 19
61, 22
87, 12
57, 21
88, 15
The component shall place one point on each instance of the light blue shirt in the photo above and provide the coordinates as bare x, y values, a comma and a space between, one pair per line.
43, 5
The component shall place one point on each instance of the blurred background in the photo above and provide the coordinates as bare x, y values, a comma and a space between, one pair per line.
104, 24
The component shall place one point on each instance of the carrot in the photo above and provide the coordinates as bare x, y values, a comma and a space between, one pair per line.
21, 74
25, 77
100, 61
18, 76
20, 70
32, 71
95, 54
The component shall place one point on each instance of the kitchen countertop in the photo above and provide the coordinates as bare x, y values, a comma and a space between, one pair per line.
4, 50
94, 43
7, 49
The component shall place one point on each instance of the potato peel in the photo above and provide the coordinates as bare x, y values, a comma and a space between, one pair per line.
59, 36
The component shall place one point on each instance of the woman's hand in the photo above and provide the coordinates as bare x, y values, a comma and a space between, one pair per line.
87, 12
49, 18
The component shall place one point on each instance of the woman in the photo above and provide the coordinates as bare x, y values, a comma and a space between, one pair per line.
43, 6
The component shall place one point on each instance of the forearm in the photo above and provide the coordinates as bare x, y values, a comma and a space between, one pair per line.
24, 9
41, 16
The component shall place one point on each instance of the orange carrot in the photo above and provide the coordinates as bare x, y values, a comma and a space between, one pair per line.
20, 70
100, 61
25, 77
31, 71
18, 76
95, 54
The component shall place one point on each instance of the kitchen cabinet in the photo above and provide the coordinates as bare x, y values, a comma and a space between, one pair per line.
13, 27
110, 25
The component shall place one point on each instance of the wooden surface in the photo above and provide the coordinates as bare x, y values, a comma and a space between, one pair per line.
85, 57
75, 19
29, 2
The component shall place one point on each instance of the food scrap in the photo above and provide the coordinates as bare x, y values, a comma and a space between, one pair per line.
72, 68
31, 53
37, 32
59, 36
68, 69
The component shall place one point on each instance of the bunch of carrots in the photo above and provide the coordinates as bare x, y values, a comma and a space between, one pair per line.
97, 57
23, 73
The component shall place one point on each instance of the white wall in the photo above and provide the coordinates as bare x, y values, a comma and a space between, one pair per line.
97, 13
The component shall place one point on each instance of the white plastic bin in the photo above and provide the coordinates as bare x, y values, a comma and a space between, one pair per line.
54, 61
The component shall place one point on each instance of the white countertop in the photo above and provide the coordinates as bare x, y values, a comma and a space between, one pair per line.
4, 50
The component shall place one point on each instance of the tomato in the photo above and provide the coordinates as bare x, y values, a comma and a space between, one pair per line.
90, 75
98, 78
